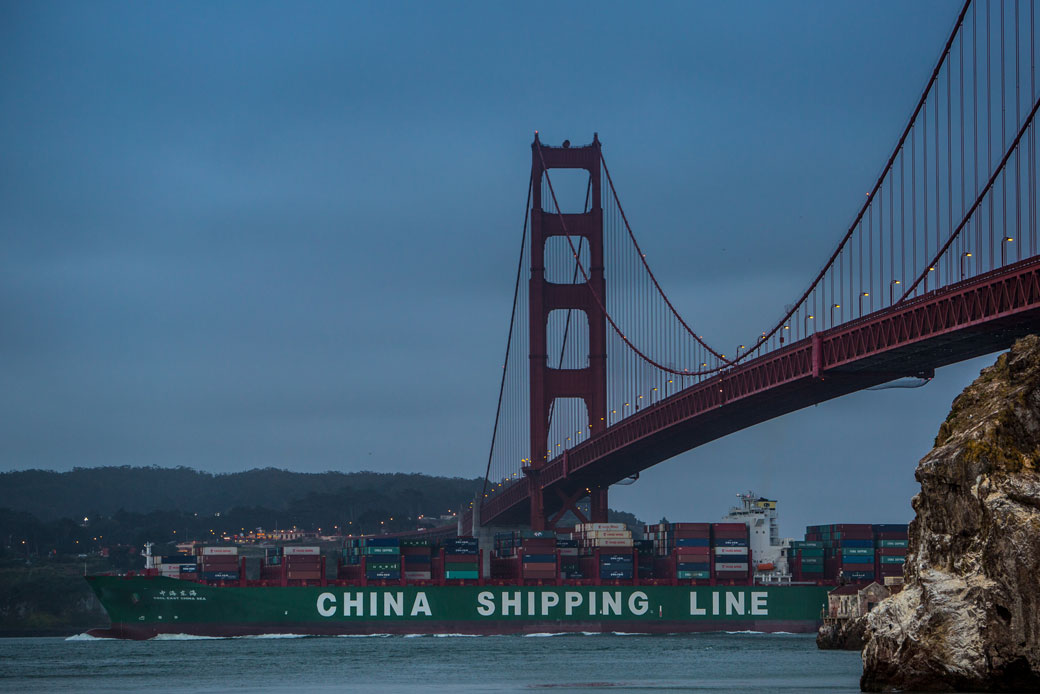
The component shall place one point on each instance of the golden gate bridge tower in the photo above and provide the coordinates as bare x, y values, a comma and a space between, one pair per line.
547, 383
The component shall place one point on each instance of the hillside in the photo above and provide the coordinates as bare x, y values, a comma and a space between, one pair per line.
90, 492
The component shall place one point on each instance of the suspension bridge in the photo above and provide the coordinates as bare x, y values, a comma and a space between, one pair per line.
604, 378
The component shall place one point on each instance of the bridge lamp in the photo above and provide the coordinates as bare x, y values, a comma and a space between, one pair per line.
1003, 248
891, 291
805, 324
833, 306
964, 257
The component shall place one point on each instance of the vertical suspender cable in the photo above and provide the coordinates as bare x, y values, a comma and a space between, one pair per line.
509, 338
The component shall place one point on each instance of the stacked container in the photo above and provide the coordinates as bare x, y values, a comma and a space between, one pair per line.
219, 564
729, 550
848, 550
303, 563
890, 545
178, 567
645, 554
616, 566
570, 566
806, 560
382, 558
538, 554
461, 558
692, 547
416, 560
592, 536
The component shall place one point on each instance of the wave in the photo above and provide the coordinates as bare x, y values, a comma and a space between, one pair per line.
186, 637
446, 636
367, 636
536, 635
87, 637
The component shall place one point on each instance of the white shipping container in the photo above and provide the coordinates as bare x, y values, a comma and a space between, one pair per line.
220, 551
607, 543
608, 535
301, 550
731, 550
730, 567
587, 527
417, 575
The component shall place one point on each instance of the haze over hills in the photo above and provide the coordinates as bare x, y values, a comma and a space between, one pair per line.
50, 495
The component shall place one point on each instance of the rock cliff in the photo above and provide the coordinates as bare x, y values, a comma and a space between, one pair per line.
847, 635
969, 617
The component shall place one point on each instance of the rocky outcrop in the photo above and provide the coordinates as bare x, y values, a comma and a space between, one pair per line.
969, 616
845, 635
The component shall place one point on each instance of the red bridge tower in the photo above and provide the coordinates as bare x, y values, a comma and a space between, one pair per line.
548, 383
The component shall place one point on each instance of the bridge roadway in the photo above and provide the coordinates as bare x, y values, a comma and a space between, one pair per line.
977, 316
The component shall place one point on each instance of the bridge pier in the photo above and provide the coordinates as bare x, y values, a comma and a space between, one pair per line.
598, 506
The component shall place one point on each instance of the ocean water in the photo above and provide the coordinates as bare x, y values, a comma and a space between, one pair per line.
720, 662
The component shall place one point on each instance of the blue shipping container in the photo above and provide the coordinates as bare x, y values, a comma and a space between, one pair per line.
539, 558
731, 542
857, 559
616, 574
857, 543
692, 542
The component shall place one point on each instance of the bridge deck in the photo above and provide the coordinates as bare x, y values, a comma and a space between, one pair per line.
978, 316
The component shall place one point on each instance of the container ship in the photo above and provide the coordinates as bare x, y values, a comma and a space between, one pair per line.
734, 575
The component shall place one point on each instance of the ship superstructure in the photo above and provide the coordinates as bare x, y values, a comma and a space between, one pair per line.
768, 549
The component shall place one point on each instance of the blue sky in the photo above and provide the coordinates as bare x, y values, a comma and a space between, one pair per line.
246, 234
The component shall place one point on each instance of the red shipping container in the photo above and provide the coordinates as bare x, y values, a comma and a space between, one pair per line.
304, 575
461, 558
703, 527
730, 575
693, 551
540, 566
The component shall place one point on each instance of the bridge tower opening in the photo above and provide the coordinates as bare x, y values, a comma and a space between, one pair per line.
547, 383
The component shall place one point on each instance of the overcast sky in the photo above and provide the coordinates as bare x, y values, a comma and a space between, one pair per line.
237, 235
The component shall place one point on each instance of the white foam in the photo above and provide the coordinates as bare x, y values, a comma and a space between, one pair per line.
185, 637
629, 633
275, 636
364, 636
447, 636
545, 634
746, 631
87, 637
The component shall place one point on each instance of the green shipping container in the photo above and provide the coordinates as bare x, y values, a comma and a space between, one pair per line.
381, 550
415, 543
383, 566
858, 551
693, 574
461, 574
812, 561
460, 566
893, 560
811, 552
892, 543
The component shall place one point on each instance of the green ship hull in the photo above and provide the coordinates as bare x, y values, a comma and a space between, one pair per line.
143, 607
